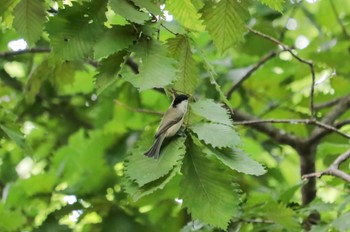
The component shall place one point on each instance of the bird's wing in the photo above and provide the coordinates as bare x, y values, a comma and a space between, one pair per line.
165, 126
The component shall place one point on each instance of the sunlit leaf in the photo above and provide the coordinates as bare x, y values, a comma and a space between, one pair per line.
274, 4
187, 75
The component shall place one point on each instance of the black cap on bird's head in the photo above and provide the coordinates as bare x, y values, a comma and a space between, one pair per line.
179, 98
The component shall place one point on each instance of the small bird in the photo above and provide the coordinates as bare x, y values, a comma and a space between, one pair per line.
170, 124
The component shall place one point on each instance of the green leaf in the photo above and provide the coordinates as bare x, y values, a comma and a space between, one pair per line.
126, 9
187, 75
342, 223
29, 20
156, 69
281, 215
217, 135
108, 70
152, 6
144, 170
113, 40
7, 5
137, 192
211, 111
185, 12
207, 192
238, 160
14, 135
274, 4
11, 220
224, 21
74, 30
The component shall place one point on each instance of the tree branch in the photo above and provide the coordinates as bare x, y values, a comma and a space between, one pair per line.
301, 60
333, 169
255, 67
25, 51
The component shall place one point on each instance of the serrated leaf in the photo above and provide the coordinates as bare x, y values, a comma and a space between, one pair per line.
211, 111
185, 12
113, 40
225, 22
274, 4
187, 75
126, 9
156, 69
73, 31
281, 215
137, 192
207, 192
139, 165
238, 160
14, 135
217, 135
29, 20
151, 6
108, 70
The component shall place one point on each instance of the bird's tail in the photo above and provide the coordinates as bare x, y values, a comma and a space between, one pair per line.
154, 150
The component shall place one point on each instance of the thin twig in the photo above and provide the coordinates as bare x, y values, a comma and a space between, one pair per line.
24, 51
295, 121
301, 60
343, 28
333, 169
138, 110
166, 28
255, 67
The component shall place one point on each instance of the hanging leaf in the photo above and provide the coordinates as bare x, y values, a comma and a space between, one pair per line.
207, 191
29, 20
185, 12
274, 4
211, 111
143, 169
217, 135
187, 75
225, 22
238, 160
126, 9
156, 69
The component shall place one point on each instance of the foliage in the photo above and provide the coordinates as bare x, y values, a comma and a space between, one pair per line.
80, 104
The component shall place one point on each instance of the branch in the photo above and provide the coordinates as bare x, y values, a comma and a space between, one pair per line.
25, 51
255, 67
279, 135
333, 169
301, 60
295, 121
138, 110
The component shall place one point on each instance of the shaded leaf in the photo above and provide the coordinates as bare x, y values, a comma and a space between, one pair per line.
225, 21
217, 135
187, 75
342, 223
207, 192
126, 9
151, 5
282, 215
211, 111
14, 135
143, 169
29, 20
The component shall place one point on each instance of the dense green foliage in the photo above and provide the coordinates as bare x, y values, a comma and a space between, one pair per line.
81, 100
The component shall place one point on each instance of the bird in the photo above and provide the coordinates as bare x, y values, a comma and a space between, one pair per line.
170, 124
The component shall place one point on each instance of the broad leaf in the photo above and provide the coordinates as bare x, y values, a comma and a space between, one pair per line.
274, 4
143, 169
151, 5
207, 192
217, 135
113, 40
16, 136
225, 21
187, 75
156, 69
238, 160
29, 20
282, 215
211, 111
185, 12
74, 30
126, 9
